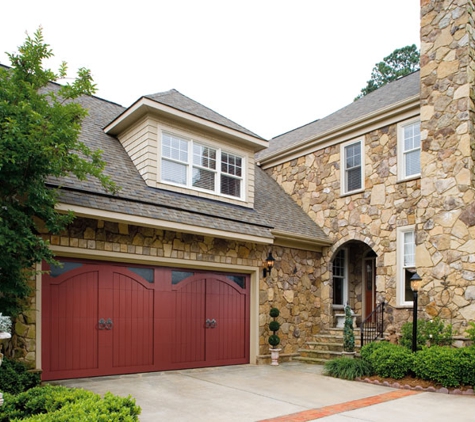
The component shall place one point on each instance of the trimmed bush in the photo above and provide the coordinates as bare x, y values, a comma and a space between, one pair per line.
347, 369
16, 378
63, 404
274, 326
274, 340
391, 361
429, 333
368, 349
448, 366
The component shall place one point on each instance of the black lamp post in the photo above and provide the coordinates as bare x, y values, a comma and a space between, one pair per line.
415, 285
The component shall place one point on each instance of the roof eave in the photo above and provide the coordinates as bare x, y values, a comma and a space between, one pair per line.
146, 105
308, 243
351, 127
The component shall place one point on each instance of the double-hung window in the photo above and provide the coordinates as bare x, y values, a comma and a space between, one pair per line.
352, 168
340, 296
409, 149
406, 263
189, 163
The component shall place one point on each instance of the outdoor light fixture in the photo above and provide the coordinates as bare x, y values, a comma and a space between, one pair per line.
415, 286
270, 264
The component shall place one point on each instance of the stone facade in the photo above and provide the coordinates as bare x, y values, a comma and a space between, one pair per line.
294, 285
446, 212
362, 221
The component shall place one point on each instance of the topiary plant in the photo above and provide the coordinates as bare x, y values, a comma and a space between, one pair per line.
348, 334
274, 326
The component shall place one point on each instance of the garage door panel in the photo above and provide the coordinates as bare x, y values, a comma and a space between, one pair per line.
133, 322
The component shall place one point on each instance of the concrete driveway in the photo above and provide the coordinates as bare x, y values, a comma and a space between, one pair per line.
289, 392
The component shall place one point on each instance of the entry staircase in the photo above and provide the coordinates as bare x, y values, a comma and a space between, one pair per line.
326, 345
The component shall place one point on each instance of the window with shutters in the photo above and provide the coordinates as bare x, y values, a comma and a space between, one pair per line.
409, 149
352, 166
192, 164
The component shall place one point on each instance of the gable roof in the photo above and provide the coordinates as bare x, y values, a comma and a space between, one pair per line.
177, 100
273, 210
383, 98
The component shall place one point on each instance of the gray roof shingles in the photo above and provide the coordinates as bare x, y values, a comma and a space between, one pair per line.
273, 208
383, 97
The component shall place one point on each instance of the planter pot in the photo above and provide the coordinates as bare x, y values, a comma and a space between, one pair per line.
274, 355
349, 355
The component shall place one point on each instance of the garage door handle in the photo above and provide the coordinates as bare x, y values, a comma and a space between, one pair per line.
213, 323
101, 324
109, 324
207, 323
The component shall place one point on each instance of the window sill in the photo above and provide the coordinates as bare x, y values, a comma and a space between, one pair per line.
409, 179
353, 192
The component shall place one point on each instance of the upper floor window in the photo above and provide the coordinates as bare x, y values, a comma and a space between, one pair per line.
406, 263
409, 147
352, 167
191, 164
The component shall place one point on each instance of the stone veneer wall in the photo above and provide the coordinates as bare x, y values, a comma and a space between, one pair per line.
370, 217
293, 286
446, 214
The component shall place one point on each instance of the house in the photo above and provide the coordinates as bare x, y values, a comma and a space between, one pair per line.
168, 273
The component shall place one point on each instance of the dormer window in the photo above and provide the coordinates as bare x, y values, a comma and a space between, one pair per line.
189, 163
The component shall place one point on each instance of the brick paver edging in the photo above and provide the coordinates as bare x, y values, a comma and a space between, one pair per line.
308, 415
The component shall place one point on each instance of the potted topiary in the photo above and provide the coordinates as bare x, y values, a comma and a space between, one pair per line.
274, 339
348, 334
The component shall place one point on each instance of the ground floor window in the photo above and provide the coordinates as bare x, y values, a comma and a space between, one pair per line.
339, 277
406, 263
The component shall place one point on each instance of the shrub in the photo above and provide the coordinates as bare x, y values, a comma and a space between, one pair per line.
429, 333
391, 360
368, 349
274, 326
16, 378
347, 369
63, 404
471, 332
348, 334
274, 312
274, 340
448, 366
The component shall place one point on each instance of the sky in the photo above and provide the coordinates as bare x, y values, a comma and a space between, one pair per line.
268, 65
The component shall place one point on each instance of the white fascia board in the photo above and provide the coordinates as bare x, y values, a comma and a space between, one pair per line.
147, 106
160, 224
355, 128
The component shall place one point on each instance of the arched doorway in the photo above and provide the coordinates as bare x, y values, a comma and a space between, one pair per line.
353, 280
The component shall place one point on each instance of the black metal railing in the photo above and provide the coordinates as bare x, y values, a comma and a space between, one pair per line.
372, 328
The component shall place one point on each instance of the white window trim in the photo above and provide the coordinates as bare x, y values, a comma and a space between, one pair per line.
343, 146
345, 281
400, 151
400, 286
190, 165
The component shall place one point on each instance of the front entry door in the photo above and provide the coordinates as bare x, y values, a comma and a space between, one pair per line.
370, 287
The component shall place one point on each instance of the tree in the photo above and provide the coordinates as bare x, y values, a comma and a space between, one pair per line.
400, 62
40, 124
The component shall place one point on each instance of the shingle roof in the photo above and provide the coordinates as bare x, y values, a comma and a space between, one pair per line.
177, 100
387, 95
273, 208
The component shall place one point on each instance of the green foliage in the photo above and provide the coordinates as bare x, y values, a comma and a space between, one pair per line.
389, 360
274, 340
274, 326
368, 349
40, 125
448, 366
63, 404
471, 331
15, 377
348, 334
429, 333
400, 62
347, 369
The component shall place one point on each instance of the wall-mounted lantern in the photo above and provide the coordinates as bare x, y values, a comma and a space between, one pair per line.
270, 264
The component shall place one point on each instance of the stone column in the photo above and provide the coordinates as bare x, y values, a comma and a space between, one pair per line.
445, 253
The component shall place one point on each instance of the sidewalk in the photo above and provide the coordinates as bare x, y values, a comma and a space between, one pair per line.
285, 393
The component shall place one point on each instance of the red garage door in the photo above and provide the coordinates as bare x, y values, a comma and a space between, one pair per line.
105, 319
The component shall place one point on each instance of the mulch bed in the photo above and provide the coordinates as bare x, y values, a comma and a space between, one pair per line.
411, 383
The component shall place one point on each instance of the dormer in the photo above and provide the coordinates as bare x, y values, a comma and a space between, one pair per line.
178, 144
